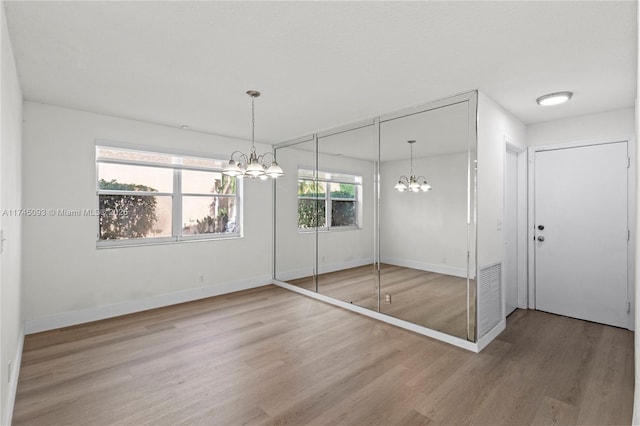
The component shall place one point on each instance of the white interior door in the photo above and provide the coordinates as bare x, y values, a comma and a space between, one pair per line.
581, 232
511, 232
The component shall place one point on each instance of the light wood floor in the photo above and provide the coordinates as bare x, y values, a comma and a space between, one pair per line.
430, 299
270, 356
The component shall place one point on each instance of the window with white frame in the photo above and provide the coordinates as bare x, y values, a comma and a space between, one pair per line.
151, 197
328, 200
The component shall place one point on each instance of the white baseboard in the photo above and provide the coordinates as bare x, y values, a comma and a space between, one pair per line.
423, 266
66, 319
492, 334
294, 274
322, 269
332, 267
13, 380
443, 337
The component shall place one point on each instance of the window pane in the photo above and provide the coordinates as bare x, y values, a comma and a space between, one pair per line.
132, 155
308, 188
198, 182
134, 216
343, 213
338, 177
209, 215
342, 190
306, 174
209, 206
204, 162
308, 216
124, 177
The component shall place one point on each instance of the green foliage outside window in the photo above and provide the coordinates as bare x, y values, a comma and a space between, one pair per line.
313, 201
309, 188
345, 190
311, 213
126, 216
343, 213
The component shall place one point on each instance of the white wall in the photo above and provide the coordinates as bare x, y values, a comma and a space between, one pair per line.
67, 280
10, 194
495, 126
426, 230
607, 124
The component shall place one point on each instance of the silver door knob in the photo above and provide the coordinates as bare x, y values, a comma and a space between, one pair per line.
540, 238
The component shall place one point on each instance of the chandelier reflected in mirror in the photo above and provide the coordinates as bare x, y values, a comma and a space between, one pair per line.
412, 183
253, 166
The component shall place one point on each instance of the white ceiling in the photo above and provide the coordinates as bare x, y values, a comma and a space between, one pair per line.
320, 64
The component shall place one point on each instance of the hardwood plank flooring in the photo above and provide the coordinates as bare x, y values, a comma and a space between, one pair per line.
430, 299
268, 356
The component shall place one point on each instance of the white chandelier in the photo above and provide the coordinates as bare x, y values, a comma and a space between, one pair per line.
412, 183
253, 165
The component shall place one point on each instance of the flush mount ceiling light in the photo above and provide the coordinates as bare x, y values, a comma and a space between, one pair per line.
253, 165
412, 183
554, 98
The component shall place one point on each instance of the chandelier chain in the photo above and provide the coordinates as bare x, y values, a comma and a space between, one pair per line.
253, 121
411, 167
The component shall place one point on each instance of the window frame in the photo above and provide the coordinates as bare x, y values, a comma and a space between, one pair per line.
328, 199
176, 196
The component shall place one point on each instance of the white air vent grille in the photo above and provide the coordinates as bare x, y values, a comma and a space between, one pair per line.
489, 290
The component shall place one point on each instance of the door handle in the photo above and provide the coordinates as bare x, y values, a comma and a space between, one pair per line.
540, 238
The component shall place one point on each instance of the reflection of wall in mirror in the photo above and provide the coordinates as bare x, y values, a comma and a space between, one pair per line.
426, 231
337, 249
294, 252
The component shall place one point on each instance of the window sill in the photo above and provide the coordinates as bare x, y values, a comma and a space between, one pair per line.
334, 229
110, 244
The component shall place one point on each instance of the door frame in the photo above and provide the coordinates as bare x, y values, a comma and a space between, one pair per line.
631, 213
522, 223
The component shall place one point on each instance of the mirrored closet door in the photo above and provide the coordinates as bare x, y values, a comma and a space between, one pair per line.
424, 169
347, 164
381, 214
296, 215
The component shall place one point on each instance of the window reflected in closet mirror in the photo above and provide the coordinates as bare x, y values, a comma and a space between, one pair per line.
297, 215
347, 163
381, 214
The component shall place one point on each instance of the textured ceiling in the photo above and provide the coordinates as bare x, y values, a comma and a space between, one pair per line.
319, 64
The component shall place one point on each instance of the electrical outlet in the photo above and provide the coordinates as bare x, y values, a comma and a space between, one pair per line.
201, 278
387, 298
9, 373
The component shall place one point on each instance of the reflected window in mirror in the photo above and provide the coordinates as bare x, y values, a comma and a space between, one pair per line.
328, 200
